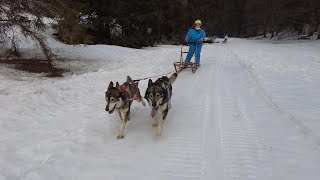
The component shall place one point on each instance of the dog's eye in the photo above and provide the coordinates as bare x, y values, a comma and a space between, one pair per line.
158, 96
112, 99
150, 96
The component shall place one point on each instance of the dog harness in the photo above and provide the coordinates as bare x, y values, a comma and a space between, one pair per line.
126, 94
126, 86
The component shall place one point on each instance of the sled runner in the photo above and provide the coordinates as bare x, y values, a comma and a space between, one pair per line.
181, 65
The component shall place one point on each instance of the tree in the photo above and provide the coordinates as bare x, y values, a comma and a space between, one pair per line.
26, 17
314, 6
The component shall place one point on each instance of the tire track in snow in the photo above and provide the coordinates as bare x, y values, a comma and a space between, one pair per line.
241, 151
268, 99
192, 150
185, 151
281, 145
214, 150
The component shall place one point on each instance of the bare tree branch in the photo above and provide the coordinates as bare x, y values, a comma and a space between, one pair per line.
26, 16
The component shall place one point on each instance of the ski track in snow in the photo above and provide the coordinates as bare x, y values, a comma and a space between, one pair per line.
223, 125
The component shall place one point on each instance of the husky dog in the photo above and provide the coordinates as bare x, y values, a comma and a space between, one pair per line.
159, 95
120, 98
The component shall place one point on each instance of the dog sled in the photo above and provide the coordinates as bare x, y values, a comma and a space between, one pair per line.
181, 65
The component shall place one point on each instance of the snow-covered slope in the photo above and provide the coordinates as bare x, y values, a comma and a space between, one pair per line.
250, 112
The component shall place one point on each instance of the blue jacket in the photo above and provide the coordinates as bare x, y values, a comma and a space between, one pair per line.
195, 36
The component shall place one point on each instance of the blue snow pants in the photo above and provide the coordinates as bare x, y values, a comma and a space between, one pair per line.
192, 50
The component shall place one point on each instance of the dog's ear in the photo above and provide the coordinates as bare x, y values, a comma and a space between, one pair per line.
150, 82
110, 85
117, 85
146, 94
129, 79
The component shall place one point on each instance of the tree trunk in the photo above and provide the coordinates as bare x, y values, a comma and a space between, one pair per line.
317, 18
318, 32
241, 17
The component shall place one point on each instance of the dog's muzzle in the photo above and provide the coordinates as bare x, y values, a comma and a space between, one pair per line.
154, 104
154, 111
110, 111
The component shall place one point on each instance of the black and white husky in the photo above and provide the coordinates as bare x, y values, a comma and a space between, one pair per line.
159, 95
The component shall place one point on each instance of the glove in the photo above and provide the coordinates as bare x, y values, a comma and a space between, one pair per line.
187, 39
186, 43
199, 41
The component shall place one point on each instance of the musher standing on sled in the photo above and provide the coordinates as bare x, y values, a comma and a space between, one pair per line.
195, 38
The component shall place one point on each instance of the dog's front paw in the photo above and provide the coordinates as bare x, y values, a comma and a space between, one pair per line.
159, 131
154, 124
143, 103
120, 136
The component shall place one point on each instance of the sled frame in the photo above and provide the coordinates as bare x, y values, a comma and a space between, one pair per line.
181, 65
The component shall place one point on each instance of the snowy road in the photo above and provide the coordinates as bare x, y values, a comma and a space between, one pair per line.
235, 118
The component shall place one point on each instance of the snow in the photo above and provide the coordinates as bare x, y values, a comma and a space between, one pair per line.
250, 112
289, 73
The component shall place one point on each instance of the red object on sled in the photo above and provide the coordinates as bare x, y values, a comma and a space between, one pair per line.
181, 65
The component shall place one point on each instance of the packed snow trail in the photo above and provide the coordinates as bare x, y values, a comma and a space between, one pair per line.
226, 123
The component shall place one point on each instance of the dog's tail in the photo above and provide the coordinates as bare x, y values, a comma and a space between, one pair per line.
173, 77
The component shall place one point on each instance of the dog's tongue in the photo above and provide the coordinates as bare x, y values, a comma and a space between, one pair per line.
153, 112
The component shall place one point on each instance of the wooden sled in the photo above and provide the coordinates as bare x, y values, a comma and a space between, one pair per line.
181, 65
